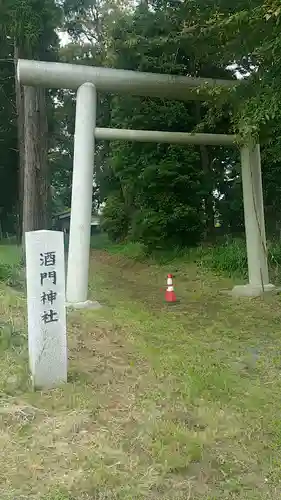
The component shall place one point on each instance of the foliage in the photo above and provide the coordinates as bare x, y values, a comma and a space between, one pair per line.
27, 29
247, 33
229, 258
10, 266
154, 180
31, 25
157, 195
8, 143
150, 179
115, 219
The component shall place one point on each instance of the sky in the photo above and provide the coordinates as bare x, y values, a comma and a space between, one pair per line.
64, 38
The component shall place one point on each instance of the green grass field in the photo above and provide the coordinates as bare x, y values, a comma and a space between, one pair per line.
162, 402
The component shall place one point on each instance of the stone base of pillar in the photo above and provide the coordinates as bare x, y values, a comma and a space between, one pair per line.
88, 304
251, 290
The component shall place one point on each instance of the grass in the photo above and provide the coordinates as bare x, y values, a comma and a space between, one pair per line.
228, 257
171, 403
10, 265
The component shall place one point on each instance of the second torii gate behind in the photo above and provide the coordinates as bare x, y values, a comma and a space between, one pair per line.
90, 79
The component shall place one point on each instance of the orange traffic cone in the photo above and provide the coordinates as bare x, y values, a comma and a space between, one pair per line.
170, 295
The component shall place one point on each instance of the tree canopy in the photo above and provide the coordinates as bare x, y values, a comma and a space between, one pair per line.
156, 194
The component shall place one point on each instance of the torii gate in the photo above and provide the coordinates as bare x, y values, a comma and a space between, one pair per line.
89, 79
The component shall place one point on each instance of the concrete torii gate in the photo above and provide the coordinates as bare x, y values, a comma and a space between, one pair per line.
89, 79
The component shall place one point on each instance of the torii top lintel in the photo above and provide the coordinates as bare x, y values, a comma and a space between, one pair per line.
71, 76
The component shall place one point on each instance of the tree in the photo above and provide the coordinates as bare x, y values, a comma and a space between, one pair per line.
145, 41
159, 192
8, 142
248, 33
36, 179
88, 26
30, 29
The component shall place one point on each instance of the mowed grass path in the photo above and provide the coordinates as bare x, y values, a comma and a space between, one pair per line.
180, 402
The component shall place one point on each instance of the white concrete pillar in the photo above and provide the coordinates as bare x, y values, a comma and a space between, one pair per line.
81, 202
254, 216
254, 223
257, 180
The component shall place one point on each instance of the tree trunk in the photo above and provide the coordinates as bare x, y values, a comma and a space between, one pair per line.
20, 127
36, 181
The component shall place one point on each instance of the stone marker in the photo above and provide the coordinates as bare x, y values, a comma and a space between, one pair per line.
45, 275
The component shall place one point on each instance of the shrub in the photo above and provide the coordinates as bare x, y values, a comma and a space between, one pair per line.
149, 228
158, 229
274, 259
115, 220
229, 258
10, 266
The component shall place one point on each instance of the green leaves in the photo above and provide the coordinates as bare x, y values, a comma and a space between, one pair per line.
249, 34
31, 24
